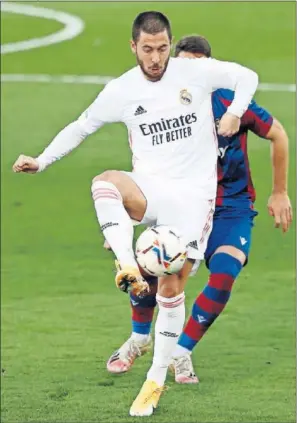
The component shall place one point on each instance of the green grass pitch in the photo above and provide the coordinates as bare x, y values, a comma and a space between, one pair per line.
61, 313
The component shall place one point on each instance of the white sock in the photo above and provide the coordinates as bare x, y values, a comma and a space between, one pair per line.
140, 338
180, 351
114, 220
168, 327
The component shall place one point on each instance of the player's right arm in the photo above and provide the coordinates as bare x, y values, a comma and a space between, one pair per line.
105, 109
65, 141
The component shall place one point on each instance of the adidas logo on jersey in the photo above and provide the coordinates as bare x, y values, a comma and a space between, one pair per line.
139, 111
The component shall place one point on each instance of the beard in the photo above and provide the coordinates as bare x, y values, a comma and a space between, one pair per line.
150, 76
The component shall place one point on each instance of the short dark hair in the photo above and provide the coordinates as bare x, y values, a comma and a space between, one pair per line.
193, 44
151, 23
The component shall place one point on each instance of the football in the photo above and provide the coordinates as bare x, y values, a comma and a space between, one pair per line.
160, 250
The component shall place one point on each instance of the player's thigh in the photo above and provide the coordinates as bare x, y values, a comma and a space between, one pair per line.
193, 220
152, 190
231, 236
133, 198
136, 192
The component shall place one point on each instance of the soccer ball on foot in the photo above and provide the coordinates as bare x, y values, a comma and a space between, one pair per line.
161, 251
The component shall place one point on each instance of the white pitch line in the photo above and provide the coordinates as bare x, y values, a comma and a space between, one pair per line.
73, 27
277, 87
102, 80
58, 79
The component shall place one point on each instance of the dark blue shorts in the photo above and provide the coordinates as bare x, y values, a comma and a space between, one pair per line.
231, 227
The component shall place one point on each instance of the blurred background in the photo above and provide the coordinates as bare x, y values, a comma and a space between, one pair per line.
62, 316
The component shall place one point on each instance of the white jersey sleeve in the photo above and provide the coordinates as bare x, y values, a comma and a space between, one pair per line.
219, 74
106, 108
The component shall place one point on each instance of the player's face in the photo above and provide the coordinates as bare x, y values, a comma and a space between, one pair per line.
152, 53
188, 55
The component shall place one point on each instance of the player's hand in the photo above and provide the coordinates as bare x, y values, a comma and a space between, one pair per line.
279, 207
229, 125
25, 164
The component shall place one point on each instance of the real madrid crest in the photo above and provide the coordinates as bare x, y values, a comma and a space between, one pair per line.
185, 97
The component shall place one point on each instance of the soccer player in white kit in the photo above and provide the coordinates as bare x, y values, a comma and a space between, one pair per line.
165, 104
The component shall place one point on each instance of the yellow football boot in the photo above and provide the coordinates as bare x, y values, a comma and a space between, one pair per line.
147, 399
129, 279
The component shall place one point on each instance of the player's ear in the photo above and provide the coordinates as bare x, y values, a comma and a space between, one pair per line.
133, 46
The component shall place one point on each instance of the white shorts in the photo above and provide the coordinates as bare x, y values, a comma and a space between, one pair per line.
177, 204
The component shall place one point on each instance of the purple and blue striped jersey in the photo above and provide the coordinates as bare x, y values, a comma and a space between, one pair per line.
235, 186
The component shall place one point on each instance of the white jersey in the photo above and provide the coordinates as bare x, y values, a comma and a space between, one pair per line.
169, 122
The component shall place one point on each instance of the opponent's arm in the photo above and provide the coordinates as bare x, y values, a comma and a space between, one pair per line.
104, 109
260, 121
279, 205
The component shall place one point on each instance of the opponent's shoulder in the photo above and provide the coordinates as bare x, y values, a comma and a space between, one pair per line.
223, 94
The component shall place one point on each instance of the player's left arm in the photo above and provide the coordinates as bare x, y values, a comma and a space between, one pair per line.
241, 80
264, 125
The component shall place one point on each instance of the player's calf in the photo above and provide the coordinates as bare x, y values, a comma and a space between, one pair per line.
111, 193
169, 323
224, 268
168, 326
143, 311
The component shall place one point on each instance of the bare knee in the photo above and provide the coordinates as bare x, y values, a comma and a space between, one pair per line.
170, 286
173, 285
168, 291
112, 176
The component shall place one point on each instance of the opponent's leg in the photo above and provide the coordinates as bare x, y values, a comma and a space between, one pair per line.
225, 265
143, 312
140, 340
169, 324
117, 199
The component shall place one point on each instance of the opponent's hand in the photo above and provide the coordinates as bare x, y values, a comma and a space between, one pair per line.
106, 246
229, 125
279, 207
25, 164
